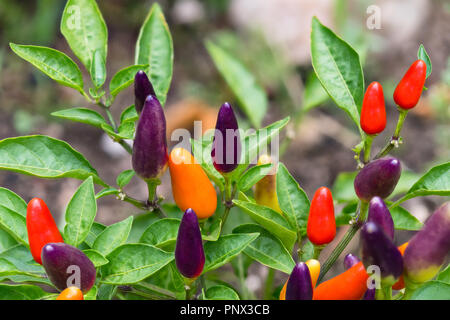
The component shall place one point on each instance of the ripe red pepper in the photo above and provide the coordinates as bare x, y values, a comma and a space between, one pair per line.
41, 227
349, 285
373, 112
321, 227
409, 89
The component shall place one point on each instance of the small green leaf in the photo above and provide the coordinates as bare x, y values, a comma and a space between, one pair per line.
444, 275
129, 114
432, 290
14, 224
124, 178
252, 97
307, 251
131, 263
253, 175
12, 201
82, 115
161, 233
155, 48
96, 257
106, 192
92, 294
218, 253
6, 241
292, 199
95, 230
124, 78
403, 220
271, 220
213, 232
423, 55
338, 67
53, 63
221, 292
98, 69
267, 249
113, 236
22, 292
80, 213
167, 282
202, 154
84, 28
44, 157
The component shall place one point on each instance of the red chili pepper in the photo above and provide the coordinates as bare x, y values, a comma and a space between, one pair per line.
349, 285
409, 89
41, 227
373, 112
321, 227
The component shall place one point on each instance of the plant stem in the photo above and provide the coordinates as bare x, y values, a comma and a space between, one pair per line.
228, 201
367, 146
126, 146
152, 184
317, 250
269, 284
394, 141
241, 275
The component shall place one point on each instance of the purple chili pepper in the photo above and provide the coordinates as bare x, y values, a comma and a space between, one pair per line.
378, 178
142, 88
379, 213
62, 261
189, 254
150, 145
350, 260
379, 250
299, 285
226, 149
370, 294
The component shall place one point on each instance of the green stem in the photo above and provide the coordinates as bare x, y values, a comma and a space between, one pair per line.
367, 146
269, 284
394, 141
111, 118
228, 201
152, 184
317, 250
126, 146
241, 275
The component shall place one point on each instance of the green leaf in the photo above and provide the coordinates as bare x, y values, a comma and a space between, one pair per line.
256, 143
131, 263
82, 115
96, 257
432, 290
124, 178
155, 48
435, 182
252, 97
106, 192
80, 213
444, 275
22, 292
271, 220
423, 55
124, 78
218, 253
161, 233
92, 294
253, 175
129, 114
6, 241
12, 201
212, 232
292, 199
338, 67
167, 282
202, 154
98, 69
140, 223
44, 157
95, 230
220, 292
267, 249
314, 94
113, 236
53, 63
307, 251
84, 28
403, 220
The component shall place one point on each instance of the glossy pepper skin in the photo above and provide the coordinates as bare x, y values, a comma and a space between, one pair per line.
378, 249
408, 91
378, 178
379, 213
373, 111
266, 188
41, 227
427, 250
189, 254
349, 285
142, 88
150, 156
400, 284
191, 187
71, 293
58, 260
314, 271
321, 227
350, 260
226, 149
299, 284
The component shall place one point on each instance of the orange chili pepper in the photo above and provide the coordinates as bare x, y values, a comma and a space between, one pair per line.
71, 293
400, 284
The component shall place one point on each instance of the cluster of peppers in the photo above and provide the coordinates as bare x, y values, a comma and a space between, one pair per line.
194, 193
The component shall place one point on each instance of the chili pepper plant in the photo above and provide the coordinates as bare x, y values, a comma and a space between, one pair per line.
176, 250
